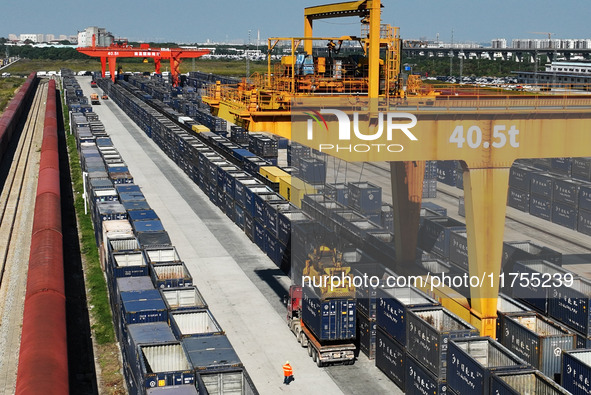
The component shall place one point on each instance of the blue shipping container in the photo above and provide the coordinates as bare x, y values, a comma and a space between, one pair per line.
434, 234
390, 358
142, 306
472, 362
565, 215
331, 319
542, 184
540, 207
571, 305
420, 381
392, 309
212, 354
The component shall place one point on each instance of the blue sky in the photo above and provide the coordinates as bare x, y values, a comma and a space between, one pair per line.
199, 20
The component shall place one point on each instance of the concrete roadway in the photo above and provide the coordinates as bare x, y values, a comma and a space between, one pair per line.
243, 288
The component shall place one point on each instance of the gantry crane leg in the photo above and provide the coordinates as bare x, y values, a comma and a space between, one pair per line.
157, 65
485, 194
103, 66
407, 194
175, 70
112, 67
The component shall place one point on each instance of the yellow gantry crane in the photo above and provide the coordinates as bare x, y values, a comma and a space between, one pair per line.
486, 133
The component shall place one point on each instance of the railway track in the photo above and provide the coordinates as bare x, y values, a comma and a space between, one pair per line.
16, 222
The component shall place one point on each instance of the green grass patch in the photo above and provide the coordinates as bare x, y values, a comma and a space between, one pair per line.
100, 310
8, 87
234, 68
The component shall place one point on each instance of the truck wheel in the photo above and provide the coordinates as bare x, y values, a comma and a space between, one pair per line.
319, 362
310, 349
314, 356
302, 339
298, 333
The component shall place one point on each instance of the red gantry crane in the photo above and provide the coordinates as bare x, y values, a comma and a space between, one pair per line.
114, 51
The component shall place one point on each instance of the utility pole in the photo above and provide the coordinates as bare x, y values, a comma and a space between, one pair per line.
461, 56
247, 59
451, 53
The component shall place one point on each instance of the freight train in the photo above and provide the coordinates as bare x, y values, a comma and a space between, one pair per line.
169, 338
233, 182
12, 114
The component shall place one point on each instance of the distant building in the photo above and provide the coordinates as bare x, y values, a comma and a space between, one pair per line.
49, 37
570, 75
36, 38
12, 37
499, 43
63, 37
528, 43
103, 38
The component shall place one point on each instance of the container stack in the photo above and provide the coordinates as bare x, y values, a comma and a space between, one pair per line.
312, 170
447, 172
430, 180
429, 333
472, 362
435, 235
264, 146
156, 309
295, 152
392, 307
366, 198
576, 371
537, 340
238, 135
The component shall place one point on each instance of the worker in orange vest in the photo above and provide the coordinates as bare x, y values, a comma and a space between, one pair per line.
287, 373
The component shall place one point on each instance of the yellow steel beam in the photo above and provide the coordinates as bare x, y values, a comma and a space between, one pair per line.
485, 197
308, 32
337, 10
374, 50
351, 8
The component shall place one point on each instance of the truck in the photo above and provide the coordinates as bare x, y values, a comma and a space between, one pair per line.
340, 349
94, 98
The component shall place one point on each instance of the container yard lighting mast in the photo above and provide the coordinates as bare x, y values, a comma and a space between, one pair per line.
485, 132
114, 51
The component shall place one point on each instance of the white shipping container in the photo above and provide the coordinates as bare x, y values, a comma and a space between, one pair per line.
183, 298
167, 254
196, 323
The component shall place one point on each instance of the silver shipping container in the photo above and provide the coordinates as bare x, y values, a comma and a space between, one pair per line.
159, 255
183, 298
170, 276
194, 323
524, 382
507, 305
429, 330
163, 365
227, 383
128, 259
128, 243
538, 340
